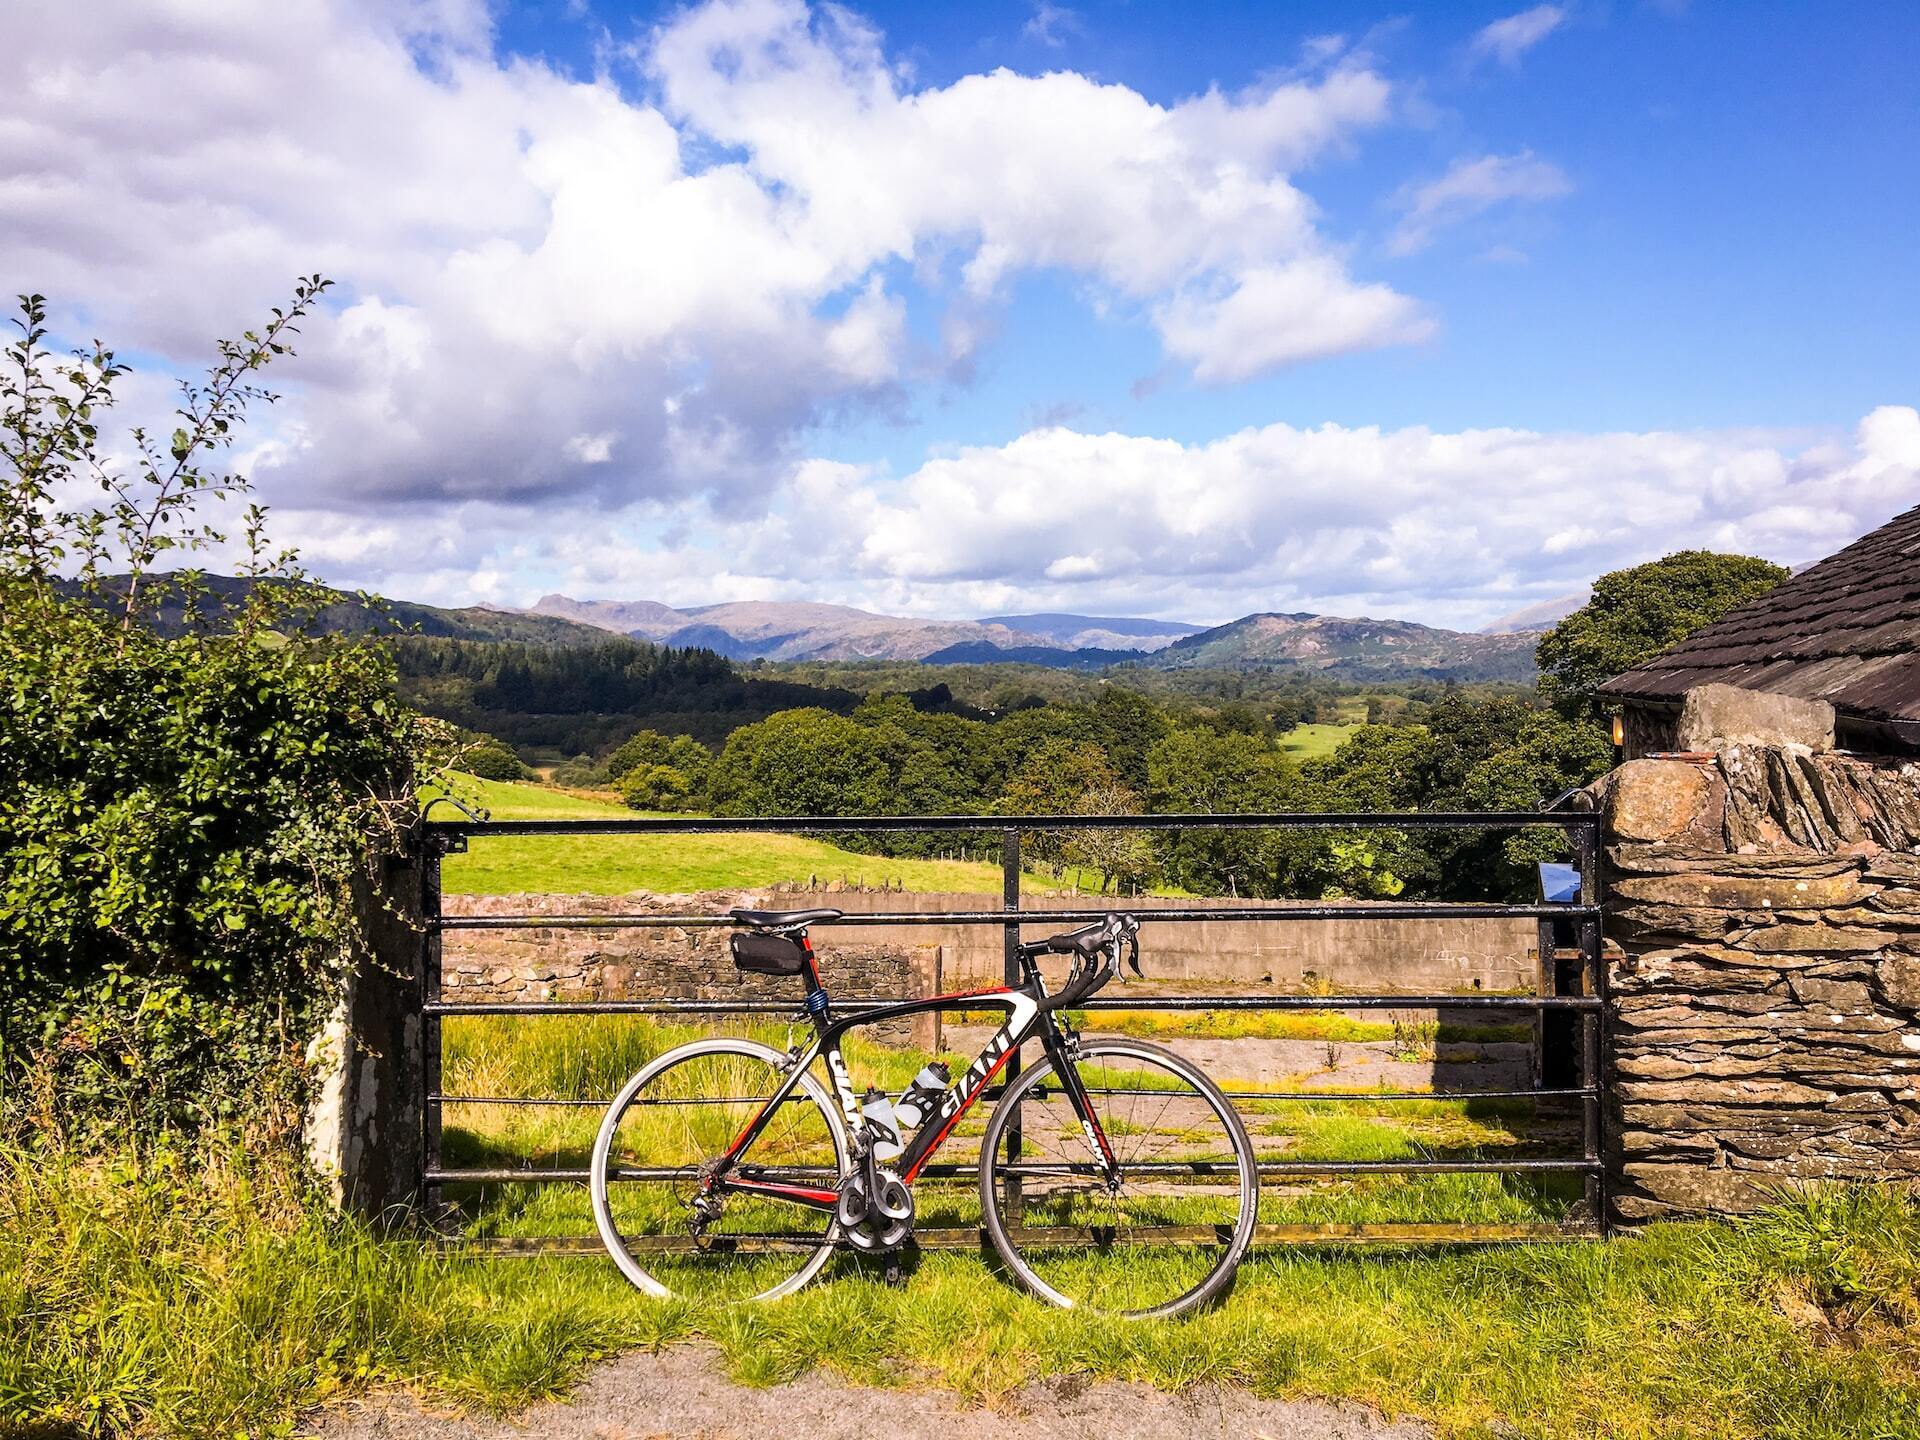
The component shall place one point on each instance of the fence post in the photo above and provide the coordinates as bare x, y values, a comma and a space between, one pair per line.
363, 1125
1010, 970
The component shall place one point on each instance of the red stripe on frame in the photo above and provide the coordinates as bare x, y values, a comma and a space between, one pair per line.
793, 1192
954, 1119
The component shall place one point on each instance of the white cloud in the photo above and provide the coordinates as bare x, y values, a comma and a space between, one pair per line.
527, 258
1051, 24
1444, 527
592, 449
1469, 188
1414, 522
1510, 38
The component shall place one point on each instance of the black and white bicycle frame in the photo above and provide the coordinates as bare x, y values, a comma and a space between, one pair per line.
1031, 1013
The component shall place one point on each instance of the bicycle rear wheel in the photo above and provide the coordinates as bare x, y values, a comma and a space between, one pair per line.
667, 1127
1169, 1237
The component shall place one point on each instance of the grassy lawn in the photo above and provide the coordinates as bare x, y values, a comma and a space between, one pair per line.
1314, 742
172, 1299
675, 864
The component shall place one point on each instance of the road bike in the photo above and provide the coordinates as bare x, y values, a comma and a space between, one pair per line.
1112, 1174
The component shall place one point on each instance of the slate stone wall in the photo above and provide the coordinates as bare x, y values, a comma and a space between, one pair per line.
673, 963
1764, 1025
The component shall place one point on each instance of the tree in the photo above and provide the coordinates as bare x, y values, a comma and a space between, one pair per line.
1195, 771
657, 787
800, 762
1638, 612
651, 750
1056, 778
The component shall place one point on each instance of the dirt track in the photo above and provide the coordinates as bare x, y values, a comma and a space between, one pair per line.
684, 1392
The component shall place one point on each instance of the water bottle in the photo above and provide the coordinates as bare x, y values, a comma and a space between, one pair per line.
890, 1121
918, 1099
885, 1130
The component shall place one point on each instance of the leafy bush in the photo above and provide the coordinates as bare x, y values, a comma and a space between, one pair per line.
182, 816
657, 787
490, 759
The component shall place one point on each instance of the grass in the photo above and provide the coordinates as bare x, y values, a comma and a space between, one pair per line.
677, 864
171, 1299
1315, 742
1287, 1025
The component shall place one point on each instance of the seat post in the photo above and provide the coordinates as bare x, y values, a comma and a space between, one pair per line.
816, 992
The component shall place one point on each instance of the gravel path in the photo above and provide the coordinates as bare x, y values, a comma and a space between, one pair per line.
684, 1392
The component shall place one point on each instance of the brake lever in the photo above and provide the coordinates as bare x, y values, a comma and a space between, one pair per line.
1133, 955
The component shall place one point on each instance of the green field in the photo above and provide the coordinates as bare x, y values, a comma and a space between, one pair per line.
677, 864
1314, 742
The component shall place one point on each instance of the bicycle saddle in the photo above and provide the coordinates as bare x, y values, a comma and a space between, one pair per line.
778, 921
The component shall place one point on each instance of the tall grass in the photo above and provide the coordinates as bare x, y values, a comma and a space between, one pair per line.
160, 1298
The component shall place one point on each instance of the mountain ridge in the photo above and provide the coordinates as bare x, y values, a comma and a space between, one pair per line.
1353, 648
1341, 647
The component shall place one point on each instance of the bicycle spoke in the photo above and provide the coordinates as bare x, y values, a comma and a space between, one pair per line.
1168, 1234
659, 1142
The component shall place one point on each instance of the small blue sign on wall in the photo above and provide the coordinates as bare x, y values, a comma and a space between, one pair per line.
1559, 884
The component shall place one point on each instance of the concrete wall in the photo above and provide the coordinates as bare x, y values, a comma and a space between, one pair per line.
1393, 956
1764, 1024
558, 963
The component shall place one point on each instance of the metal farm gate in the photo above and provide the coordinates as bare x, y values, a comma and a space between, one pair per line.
1569, 1001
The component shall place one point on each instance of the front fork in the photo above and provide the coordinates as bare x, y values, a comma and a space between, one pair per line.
1062, 1045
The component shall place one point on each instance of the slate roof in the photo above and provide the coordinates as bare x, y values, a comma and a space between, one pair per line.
1846, 631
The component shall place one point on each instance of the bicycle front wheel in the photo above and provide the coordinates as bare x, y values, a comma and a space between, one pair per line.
1163, 1240
664, 1132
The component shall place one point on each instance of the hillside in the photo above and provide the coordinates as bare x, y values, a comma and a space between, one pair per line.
782, 630
352, 614
807, 630
1541, 616
1354, 649
1097, 632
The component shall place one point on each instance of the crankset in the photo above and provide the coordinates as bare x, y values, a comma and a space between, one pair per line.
877, 1216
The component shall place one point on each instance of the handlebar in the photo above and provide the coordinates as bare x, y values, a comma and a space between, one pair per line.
1096, 954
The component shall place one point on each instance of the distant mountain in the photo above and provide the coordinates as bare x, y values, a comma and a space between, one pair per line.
1354, 649
350, 615
623, 617
1348, 649
1541, 616
979, 652
784, 630
1093, 632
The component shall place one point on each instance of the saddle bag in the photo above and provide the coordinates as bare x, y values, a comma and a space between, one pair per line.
768, 954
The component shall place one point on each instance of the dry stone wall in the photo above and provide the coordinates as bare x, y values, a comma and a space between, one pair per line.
665, 963
1764, 1025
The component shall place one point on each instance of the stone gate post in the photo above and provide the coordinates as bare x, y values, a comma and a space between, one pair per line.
1764, 1030
363, 1126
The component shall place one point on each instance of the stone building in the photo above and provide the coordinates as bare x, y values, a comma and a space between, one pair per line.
1762, 885
1829, 657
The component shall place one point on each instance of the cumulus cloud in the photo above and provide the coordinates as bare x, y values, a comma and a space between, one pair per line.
1469, 188
554, 292
1508, 39
1412, 522
1444, 527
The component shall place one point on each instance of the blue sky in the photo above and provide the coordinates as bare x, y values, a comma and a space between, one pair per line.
1430, 311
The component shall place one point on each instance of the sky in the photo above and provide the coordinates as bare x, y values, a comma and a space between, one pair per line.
1188, 311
